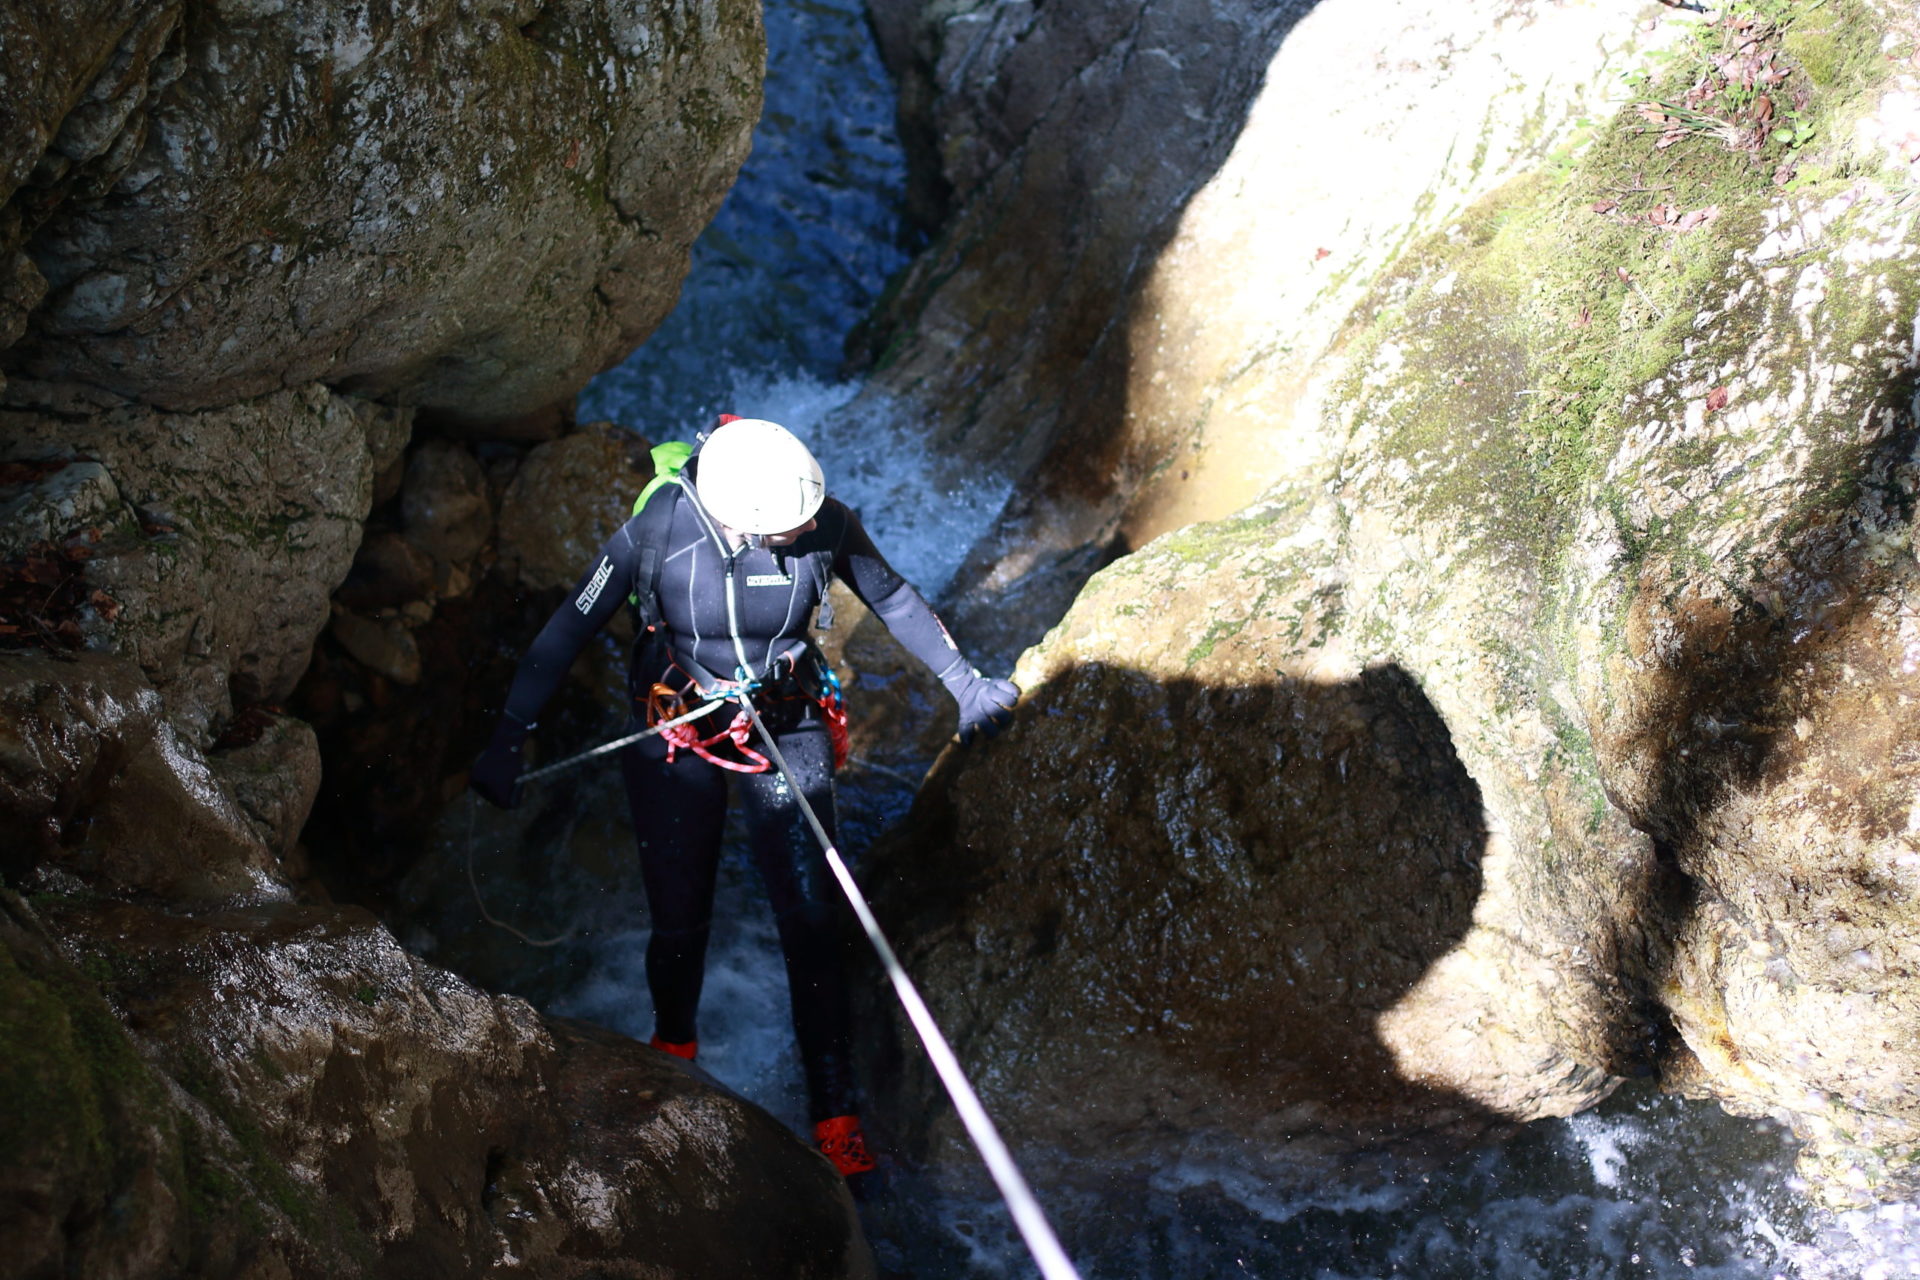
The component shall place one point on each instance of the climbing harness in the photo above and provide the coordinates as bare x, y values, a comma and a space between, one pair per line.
800, 674
664, 705
1027, 1214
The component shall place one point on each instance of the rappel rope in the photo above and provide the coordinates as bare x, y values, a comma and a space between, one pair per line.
1027, 1214
473, 804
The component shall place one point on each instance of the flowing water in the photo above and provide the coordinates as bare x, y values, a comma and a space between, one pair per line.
1644, 1186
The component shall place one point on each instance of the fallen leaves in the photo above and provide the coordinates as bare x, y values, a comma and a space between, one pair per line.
44, 595
1666, 217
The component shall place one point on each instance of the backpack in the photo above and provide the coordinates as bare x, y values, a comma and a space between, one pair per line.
669, 460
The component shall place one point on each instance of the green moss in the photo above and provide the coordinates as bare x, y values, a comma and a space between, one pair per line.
266, 1175
1220, 629
71, 1084
1521, 331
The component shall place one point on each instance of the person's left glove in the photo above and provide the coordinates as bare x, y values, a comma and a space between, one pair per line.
986, 706
496, 772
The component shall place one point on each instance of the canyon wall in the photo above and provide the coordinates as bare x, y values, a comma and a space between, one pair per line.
1528, 711
247, 253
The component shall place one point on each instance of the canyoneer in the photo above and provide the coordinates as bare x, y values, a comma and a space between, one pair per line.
725, 564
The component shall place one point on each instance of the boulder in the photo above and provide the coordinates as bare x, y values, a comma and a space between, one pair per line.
382, 645
445, 511
568, 497
270, 764
1538, 727
388, 571
91, 1148
58, 498
232, 527
70, 725
471, 208
293, 1095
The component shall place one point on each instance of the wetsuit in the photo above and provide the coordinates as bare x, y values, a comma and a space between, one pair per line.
679, 805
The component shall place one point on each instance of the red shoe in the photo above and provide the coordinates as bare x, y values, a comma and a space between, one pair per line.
688, 1050
842, 1141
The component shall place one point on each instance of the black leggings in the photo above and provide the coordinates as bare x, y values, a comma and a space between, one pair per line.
679, 812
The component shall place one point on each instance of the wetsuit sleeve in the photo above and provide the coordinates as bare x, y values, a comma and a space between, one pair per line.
594, 599
906, 613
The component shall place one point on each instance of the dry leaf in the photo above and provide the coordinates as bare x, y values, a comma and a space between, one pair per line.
1697, 218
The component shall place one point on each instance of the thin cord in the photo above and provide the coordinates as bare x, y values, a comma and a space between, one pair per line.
473, 806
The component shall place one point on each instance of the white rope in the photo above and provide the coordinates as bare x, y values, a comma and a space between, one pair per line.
1027, 1214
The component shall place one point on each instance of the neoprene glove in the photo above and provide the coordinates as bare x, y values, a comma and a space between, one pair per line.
496, 771
986, 706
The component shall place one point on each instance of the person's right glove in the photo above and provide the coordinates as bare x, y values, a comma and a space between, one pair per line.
986, 706
496, 771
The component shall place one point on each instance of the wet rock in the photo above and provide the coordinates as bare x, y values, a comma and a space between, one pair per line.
1619, 511
68, 726
91, 1149
474, 208
270, 764
567, 498
445, 509
347, 1110
165, 826
233, 527
283, 1091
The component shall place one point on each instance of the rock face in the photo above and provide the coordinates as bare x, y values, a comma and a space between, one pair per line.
294, 1095
470, 208
1161, 214
431, 621
1524, 724
240, 245
231, 528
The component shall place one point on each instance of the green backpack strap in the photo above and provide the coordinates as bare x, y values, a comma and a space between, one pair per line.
669, 460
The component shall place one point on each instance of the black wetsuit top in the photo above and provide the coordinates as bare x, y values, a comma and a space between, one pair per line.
679, 805
775, 593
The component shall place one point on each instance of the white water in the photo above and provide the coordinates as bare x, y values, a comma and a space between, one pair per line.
1645, 1186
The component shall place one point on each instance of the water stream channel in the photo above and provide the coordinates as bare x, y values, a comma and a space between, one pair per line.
1644, 1186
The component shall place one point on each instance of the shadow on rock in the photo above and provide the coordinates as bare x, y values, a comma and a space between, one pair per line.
1758, 733
1163, 921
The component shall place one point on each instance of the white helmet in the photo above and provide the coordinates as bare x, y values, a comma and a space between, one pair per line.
756, 476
